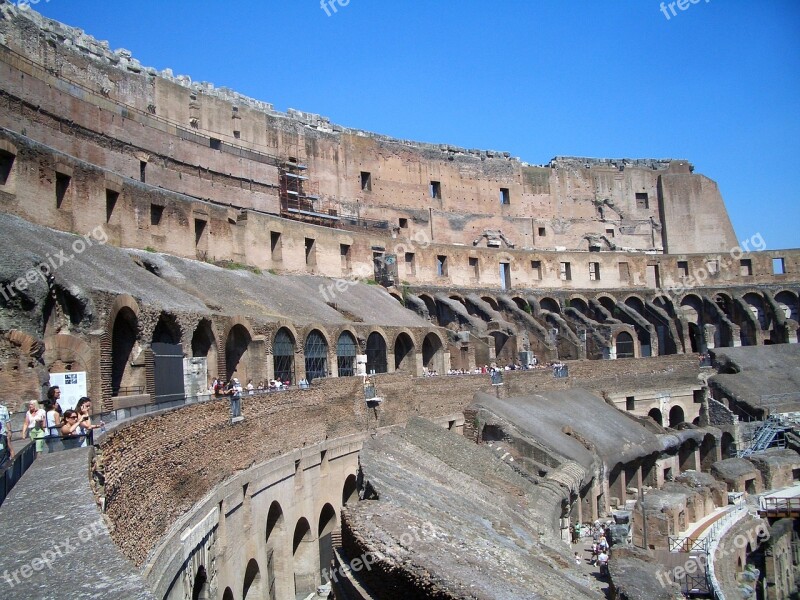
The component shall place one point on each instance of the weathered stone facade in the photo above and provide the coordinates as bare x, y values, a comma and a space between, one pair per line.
140, 209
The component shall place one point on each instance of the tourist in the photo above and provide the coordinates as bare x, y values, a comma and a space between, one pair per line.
83, 409
6, 451
52, 417
577, 559
234, 390
33, 426
602, 560
250, 387
70, 425
53, 396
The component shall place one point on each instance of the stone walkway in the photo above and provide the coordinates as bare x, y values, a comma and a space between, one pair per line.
54, 540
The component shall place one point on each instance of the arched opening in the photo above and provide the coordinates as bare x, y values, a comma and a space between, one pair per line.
490, 301
580, 305
204, 345
655, 414
625, 347
168, 378
708, 452
203, 341
432, 353
522, 304
503, 349
376, 353
236, 353
283, 355
756, 304
430, 304
727, 445
228, 595
788, 304
346, 354
404, 354
305, 559
274, 528
664, 303
252, 582
274, 539
167, 330
350, 490
692, 312
316, 352
676, 416
550, 304
200, 584
123, 342
327, 525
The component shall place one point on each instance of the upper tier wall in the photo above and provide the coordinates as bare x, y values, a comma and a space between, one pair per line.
143, 215
104, 108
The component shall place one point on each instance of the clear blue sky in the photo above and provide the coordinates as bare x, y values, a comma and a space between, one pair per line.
718, 83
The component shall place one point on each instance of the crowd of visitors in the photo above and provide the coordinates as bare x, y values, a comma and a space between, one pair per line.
559, 369
50, 421
599, 547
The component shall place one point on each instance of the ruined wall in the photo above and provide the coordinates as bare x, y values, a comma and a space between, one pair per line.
217, 145
188, 444
142, 215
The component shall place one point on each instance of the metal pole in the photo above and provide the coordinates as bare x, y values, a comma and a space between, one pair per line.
644, 519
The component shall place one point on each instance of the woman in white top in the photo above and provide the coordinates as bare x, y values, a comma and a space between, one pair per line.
53, 420
34, 424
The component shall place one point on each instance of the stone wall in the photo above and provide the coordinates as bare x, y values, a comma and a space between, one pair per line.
196, 447
212, 145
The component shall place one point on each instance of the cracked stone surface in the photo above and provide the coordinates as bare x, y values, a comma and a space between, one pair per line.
459, 522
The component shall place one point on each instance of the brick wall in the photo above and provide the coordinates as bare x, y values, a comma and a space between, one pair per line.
185, 453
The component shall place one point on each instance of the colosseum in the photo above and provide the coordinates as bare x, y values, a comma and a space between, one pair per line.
459, 371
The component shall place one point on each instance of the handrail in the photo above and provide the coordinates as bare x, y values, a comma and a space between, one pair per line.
779, 504
20, 463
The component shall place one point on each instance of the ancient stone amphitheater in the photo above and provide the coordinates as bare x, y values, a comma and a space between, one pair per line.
158, 233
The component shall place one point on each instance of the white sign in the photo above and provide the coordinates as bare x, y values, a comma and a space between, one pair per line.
72, 385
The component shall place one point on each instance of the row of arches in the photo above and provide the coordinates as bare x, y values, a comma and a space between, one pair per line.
295, 559
281, 355
627, 326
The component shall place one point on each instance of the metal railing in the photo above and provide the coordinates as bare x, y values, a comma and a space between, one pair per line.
15, 469
131, 390
688, 544
779, 505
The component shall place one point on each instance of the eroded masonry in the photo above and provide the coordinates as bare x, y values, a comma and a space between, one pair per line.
158, 233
